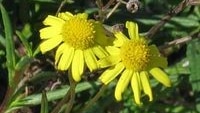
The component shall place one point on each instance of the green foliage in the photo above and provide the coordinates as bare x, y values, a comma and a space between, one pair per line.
34, 84
10, 55
193, 54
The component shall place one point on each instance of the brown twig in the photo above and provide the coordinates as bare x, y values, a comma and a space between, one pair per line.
100, 11
114, 8
176, 42
180, 7
109, 3
60, 7
180, 41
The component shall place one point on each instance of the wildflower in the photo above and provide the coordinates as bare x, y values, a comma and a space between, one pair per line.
135, 60
79, 41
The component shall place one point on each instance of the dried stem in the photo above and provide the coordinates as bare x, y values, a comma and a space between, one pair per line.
181, 6
176, 42
110, 2
60, 7
114, 8
183, 40
100, 11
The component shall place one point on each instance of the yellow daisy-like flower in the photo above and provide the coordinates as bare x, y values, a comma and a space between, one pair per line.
135, 60
80, 41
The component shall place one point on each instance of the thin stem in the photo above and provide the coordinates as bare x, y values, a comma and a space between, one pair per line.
183, 40
94, 99
176, 42
100, 11
63, 101
114, 8
60, 7
72, 94
181, 6
109, 3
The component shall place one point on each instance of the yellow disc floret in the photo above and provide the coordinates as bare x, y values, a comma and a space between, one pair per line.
78, 33
135, 54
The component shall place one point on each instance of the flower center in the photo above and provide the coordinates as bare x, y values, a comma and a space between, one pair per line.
135, 54
78, 32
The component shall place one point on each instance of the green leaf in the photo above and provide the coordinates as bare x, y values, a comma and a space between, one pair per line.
10, 55
193, 54
2, 41
25, 43
44, 103
23, 63
35, 99
37, 50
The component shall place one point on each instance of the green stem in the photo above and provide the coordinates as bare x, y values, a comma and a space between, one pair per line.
72, 95
94, 99
63, 101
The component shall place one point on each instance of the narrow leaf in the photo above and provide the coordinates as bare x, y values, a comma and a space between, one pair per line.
35, 99
10, 55
44, 103
25, 43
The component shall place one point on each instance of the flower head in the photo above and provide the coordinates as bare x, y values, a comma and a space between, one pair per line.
135, 60
79, 41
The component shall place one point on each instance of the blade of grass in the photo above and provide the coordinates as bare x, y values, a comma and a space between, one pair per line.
54, 95
25, 43
10, 55
10, 58
44, 103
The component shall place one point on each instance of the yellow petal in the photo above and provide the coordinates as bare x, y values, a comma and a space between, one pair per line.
53, 21
90, 59
99, 51
161, 76
136, 88
113, 50
65, 16
109, 61
123, 83
50, 43
49, 32
111, 73
145, 84
120, 39
59, 52
66, 58
77, 65
132, 30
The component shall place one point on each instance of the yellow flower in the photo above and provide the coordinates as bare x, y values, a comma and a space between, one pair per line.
135, 60
80, 41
